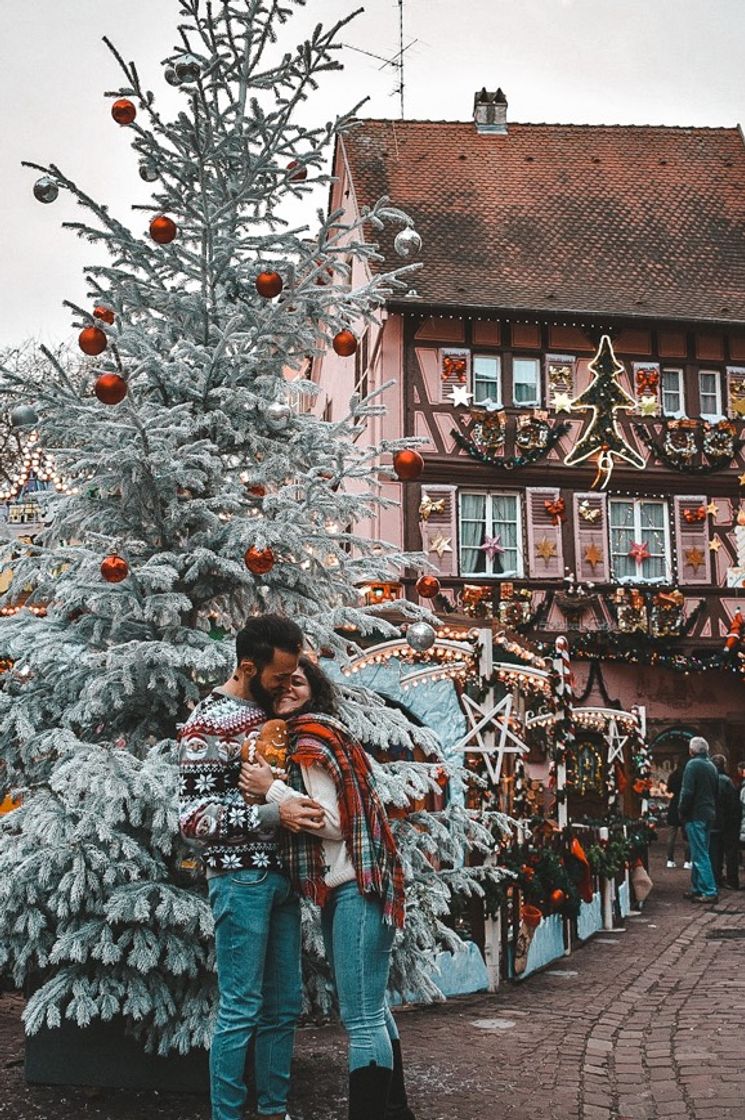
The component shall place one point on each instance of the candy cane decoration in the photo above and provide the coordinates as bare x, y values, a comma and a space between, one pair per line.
564, 727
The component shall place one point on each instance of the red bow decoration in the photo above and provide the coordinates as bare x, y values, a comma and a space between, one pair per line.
694, 515
639, 551
453, 367
555, 510
647, 380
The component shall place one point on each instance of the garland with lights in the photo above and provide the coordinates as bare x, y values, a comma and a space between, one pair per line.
631, 648
718, 462
512, 462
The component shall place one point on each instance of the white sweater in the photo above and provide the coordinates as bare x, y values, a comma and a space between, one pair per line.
320, 786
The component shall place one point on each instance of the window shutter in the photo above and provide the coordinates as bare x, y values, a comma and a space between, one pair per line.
736, 392
648, 381
441, 526
591, 538
455, 370
560, 376
545, 552
692, 540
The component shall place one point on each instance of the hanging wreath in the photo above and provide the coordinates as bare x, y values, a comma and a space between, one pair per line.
684, 439
511, 462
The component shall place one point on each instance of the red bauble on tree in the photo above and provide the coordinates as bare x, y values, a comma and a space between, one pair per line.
105, 314
92, 341
258, 490
558, 898
114, 568
427, 587
110, 388
298, 171
345, 344
408, 465
123, 111
269, 284
163, 229
259, 561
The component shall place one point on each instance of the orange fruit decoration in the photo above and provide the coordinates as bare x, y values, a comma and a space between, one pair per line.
110, 388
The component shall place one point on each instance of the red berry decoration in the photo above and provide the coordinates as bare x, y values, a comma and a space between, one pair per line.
163, 229
269, 284
259, 560
344, 344
92, 341
114, 568
105, 314
408, 465
110, 388
298, 171
123, 111
427, 587
558, 898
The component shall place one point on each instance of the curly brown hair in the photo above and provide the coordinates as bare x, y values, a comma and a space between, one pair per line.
322, 691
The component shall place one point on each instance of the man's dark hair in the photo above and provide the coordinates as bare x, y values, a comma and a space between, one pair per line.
720, 762
263, 634
322, 691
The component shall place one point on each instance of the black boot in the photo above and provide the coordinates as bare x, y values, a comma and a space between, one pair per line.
398, 1106
368, 1092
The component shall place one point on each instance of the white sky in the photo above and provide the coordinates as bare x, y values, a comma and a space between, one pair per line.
675, 62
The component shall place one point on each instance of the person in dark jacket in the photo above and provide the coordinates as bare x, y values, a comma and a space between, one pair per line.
673, 784
724, 844
697, 807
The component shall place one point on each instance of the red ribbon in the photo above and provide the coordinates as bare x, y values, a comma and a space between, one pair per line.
556, 510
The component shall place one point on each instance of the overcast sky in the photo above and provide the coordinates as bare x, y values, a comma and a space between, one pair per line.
675, 62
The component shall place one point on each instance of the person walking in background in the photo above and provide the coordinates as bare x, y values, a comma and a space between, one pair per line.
724, 846
673, 784
697, 808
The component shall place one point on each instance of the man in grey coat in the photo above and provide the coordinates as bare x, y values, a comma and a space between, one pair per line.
697, 807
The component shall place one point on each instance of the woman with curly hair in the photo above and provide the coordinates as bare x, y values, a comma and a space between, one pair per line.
351, 868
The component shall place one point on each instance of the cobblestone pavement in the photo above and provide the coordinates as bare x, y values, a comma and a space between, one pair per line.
644, 1024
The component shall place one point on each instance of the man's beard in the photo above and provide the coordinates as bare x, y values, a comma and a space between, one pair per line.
262, 697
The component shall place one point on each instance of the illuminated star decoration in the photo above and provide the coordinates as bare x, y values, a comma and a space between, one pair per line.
694, 558
562, 402
715, 544
492, 546
545, 549
428, 507
712, 509
459, 395
593, 555
639, 551
440, 545
648, 406
616, 743
604, 396
741, 479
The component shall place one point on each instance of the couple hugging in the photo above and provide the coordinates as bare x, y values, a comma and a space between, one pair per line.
320, 832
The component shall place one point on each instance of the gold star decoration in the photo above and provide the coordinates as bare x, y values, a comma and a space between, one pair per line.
545, 549
694, 558
712, 509
593, 555
715, 544
428, 507
741, 479
562, 402
648, 406
440, 545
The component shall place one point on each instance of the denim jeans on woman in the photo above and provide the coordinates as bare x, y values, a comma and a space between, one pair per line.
702, 876
358, 948
257, 948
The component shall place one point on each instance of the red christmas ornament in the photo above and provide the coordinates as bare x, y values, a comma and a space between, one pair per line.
527, 873
558, 898
441, 777
427, 587
259, 560
105, 314
114, 568
92, 341
257, 491
123, 111
298, 171
408, 465
344, 344
110, 388
163, 229
269, 284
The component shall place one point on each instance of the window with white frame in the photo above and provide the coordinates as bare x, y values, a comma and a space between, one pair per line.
490, 534
710, 394
487, 379
639, 539
526, 383
673, 397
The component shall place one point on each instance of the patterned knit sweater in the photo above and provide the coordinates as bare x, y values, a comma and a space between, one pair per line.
212, 813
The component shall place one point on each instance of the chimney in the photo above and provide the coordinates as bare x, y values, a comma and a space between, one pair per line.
490, 111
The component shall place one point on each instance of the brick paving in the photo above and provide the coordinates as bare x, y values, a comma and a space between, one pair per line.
644, 1025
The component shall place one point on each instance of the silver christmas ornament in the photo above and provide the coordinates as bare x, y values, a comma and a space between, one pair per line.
171, 76
420, 636
188, 68
407, 242
277, 415
148, 171
46, 189
23, 416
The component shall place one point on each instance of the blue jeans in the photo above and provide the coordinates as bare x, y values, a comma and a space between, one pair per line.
702, 876
358, 948
257, 949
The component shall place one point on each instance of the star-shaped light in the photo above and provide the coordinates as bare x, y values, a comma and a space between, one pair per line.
440, 545
648, 406
593, 555
715, 544
459, 395
712, 509
741, 479
545, 549
492, 546
562, 402
639, 551
428, 507
694, 558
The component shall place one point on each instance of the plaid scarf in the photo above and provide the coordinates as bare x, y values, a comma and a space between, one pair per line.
319, 740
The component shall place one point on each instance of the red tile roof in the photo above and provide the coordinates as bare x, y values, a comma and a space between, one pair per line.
620, 220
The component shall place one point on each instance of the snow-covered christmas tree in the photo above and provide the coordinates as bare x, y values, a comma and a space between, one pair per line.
200, 492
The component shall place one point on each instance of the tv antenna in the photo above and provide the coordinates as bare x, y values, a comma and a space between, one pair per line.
397, 62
